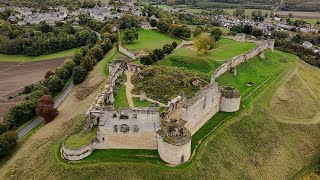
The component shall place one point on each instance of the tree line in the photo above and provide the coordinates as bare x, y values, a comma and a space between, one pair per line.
158, 54
43, 38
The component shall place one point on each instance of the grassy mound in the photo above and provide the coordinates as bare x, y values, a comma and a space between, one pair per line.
300, 95
206, 63
151, 39
82, 138
165, 83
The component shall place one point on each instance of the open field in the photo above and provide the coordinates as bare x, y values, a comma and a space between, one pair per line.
23, 58
14, 76
151, 39
299, 14
310, 21
248, 12
206, 63
251, 144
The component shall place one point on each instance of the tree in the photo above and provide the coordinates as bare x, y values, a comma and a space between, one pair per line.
8, 141
130, 35
79, 74
127, 22
88, 62
153, 23
146, 60
98, 53
197, 32
257, 32
48, 74
54, 84
174, 44
216, 34
167, 48
163, 26
159, 53
45, 108
203, 43
180, 31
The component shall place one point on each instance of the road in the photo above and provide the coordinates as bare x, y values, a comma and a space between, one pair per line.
39, 119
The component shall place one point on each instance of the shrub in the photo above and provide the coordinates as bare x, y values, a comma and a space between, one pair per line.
174, 44
216, 34
98, 53
54, 84
159, 53
79, 74
48, 74
8, 141
167, 49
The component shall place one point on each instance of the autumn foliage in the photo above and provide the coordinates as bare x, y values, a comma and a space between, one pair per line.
45, 108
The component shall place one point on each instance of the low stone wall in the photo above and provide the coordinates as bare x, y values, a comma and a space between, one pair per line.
79, 153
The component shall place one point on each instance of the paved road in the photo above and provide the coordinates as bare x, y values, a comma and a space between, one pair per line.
39, 119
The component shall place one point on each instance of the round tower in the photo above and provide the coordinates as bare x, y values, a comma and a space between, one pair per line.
174, 144
230, 99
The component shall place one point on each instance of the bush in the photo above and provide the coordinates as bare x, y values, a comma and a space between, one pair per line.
98, 53
167, 49
8, 141
174, 44
79, 74
159, 53
146, 60
54, 84
216, 34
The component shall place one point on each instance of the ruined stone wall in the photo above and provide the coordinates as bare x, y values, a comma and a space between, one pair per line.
233, 62
174, 154
129, 128
199, 109
79, 153
127, 52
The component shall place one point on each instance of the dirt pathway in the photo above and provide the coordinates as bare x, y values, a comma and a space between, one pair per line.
184, 42
129, 88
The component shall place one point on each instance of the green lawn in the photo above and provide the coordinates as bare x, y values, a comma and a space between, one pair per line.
108, 58
310, 21
121, 98
248, 12
23, 58
81, 138
207, 63
256, 71
151, 39
138, 103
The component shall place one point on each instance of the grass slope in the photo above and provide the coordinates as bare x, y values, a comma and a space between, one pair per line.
206, 63
23, 58
250, 145
151, 39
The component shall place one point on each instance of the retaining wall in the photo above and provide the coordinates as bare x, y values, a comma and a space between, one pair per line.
233, 62
79, 153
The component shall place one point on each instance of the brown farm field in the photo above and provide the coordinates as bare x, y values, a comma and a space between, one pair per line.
14, 76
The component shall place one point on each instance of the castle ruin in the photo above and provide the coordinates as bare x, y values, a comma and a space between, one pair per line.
144, 128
